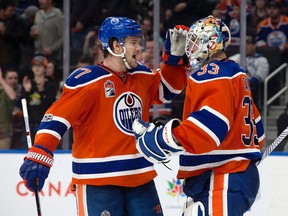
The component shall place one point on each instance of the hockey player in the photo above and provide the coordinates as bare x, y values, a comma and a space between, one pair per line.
221, 134
101, 102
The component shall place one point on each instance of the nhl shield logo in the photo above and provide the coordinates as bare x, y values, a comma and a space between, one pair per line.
109, 89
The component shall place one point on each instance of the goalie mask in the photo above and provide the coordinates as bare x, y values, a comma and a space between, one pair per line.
206, 37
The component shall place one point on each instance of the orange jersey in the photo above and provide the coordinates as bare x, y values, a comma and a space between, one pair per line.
101, 105
273, 35
222, 128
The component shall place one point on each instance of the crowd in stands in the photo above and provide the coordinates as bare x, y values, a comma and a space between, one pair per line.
31, 45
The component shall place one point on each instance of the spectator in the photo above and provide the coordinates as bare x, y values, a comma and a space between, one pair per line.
39, 92
51, 71
147, 27
147, 57
285, 7
89, 42
97, 52
232, 20
53, 74
47, 30
92, 47
84, 17
141, 9
185, 12
116, 8
259, 12
11, 78
11, 35
85, 60
28, 17
273, 31
282, 123
7, 97
222, 8
257, 68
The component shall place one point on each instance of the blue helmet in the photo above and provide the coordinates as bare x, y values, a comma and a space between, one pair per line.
118, 27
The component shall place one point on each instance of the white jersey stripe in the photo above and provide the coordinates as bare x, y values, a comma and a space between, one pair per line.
112, 174
210, 165
205, 129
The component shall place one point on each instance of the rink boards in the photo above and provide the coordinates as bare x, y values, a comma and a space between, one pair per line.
57, 199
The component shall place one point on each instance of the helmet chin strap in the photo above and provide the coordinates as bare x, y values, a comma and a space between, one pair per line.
122, 55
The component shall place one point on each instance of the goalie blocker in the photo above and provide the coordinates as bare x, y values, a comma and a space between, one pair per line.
156, 143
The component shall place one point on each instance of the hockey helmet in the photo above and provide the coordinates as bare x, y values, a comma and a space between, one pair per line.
206, 37
118, 27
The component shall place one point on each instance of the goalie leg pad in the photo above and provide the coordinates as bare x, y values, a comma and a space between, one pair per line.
192, 208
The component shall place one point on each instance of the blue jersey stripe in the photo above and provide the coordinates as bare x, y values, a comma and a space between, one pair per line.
57, 126
168, 95
195, 160
259, 128
110, 166
213, 122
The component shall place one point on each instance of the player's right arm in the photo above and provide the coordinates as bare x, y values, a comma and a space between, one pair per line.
68, 110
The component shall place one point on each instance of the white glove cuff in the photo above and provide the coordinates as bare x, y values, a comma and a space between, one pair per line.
167, 134
138, 128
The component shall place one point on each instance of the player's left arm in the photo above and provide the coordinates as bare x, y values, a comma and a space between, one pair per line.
173, 71
174, 46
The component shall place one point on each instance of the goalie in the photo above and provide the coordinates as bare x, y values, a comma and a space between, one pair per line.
221, 134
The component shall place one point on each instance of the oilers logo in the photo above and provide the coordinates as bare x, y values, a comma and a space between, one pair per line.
114, 21
276, 39
127, 108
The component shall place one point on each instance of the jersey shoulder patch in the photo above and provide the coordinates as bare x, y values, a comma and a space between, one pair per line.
85, 75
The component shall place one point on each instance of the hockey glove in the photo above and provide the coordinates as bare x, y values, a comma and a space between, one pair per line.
36, 167
156, 144
174, 47
139, 126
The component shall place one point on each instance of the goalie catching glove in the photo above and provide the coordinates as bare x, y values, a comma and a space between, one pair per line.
36, 167
174, 46
156, 143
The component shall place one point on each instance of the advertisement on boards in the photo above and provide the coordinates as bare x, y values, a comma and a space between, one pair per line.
56, 198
